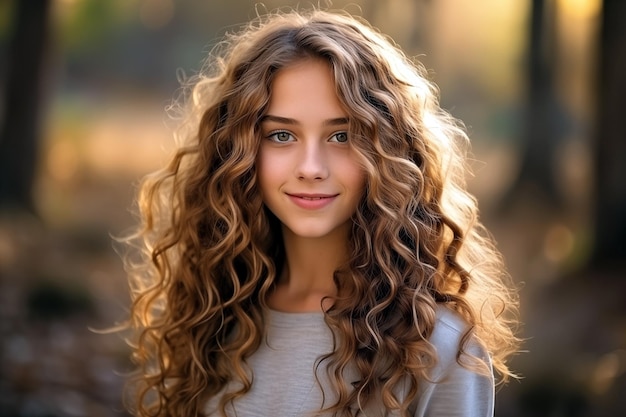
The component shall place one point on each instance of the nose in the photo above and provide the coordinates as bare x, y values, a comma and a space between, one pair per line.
312, 163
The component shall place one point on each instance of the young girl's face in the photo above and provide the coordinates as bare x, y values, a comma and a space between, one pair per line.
308, 173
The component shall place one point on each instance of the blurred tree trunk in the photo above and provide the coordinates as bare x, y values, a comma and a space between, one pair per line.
543, 117
20, 129
610, 144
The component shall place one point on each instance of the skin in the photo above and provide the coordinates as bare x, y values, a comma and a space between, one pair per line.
310, 179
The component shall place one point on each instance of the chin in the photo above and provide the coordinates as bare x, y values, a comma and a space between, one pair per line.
318, 231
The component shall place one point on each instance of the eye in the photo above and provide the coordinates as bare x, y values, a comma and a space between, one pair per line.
281, 136
340, 137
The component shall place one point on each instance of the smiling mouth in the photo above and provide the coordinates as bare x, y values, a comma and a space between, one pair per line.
313, 197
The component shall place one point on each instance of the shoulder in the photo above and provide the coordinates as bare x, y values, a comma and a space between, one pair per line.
448, 331
448, 334
460, 355
453, 389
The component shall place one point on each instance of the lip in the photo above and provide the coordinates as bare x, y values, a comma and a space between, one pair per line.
312, 201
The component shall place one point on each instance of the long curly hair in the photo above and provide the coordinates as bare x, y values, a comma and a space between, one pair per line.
210, 251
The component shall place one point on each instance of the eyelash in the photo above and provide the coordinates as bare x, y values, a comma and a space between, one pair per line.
273, 136
345, 134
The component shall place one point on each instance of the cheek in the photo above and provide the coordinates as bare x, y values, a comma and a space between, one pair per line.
267, 171
356, 180
356, 175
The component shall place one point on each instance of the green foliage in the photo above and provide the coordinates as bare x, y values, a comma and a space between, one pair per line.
89, 23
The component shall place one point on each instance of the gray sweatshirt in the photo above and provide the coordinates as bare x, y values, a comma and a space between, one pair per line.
284, 383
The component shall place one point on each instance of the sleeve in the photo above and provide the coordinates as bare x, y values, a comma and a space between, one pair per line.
460, 393
453, 390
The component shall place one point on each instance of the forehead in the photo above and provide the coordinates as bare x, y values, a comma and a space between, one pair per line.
306, 85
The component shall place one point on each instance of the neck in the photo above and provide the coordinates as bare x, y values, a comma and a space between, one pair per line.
307, 277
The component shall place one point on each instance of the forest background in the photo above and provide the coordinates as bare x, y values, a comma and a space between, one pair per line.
84, 84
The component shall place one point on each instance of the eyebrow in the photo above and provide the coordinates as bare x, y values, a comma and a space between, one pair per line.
339, 121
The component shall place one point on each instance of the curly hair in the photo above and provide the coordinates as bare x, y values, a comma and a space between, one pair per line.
210, 250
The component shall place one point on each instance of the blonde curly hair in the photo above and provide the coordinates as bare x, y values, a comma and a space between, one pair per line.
210, 251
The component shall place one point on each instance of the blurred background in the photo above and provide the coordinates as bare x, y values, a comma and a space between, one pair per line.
540, 84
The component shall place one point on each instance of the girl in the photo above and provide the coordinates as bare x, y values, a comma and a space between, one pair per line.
311, 248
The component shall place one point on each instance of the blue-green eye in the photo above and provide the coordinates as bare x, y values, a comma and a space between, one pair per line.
280, 136
340, 137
